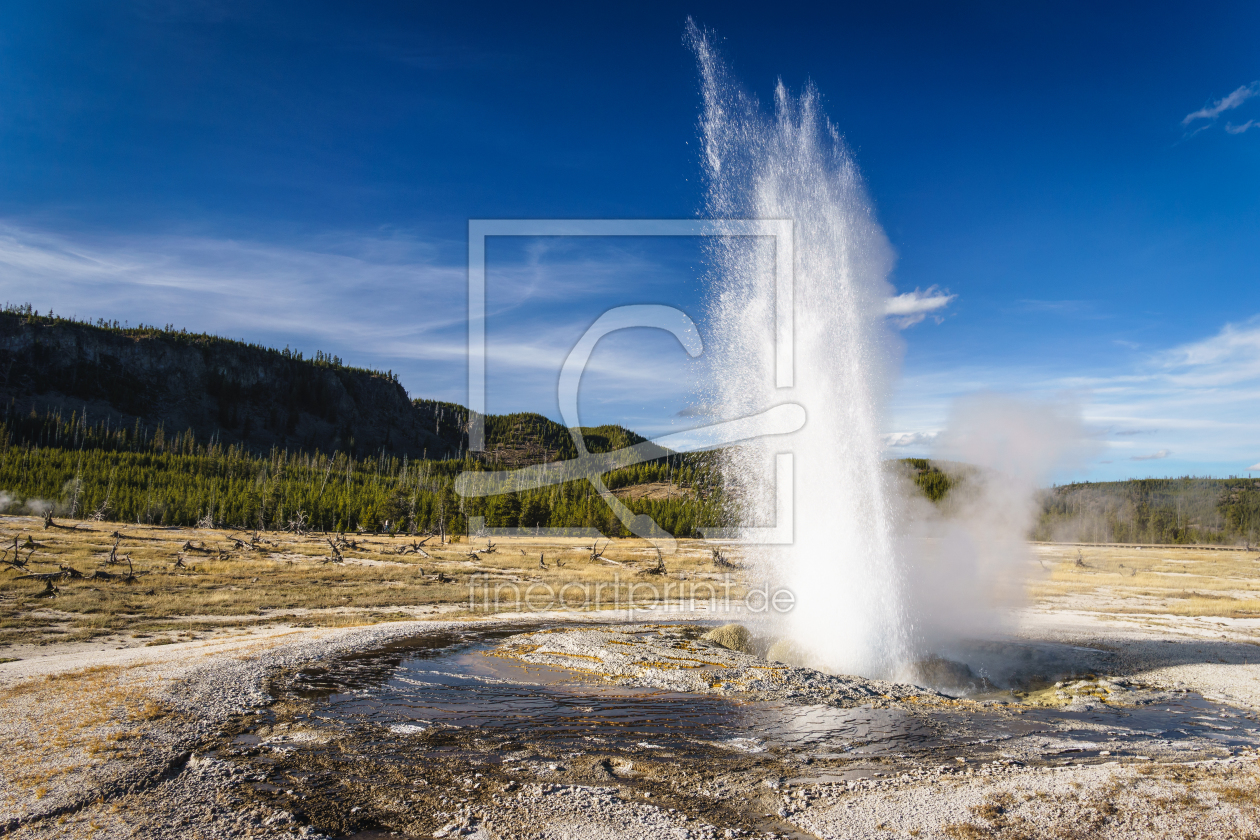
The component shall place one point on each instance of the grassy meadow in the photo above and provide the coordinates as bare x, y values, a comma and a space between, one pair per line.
191, 581
1150, 580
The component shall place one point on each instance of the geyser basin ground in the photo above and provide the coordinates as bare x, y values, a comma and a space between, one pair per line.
147, 741
492, 731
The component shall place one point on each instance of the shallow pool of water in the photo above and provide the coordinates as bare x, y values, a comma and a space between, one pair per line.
453, 681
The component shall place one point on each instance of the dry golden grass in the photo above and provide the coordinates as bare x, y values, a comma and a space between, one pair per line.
290, 578
64, 724
1164, 580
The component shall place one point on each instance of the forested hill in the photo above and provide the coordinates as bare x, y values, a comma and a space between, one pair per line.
169, 427
70, 384
1153, 510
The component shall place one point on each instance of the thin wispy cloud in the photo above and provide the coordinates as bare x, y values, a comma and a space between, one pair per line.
1209, 114
1230, 357
1253, 467
385, 302
910, 308
1220, 106
903, 439
329, 291
1197, 402
558, 269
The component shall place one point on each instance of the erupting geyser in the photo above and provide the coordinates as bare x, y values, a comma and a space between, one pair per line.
849, 615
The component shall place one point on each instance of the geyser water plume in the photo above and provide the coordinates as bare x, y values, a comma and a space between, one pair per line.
842, 568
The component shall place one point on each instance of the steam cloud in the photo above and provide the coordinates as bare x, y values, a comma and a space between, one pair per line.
965, 562
10, 503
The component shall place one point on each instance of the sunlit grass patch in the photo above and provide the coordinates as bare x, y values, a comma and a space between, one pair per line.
1161, 580
201, 580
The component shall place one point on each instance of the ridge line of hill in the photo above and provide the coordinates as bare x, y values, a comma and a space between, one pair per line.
110, 382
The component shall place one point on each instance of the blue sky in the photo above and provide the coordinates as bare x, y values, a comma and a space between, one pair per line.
1086, 183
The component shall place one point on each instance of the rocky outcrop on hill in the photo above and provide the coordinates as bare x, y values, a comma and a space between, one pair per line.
233, 392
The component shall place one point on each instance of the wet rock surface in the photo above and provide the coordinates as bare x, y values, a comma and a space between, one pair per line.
681, 658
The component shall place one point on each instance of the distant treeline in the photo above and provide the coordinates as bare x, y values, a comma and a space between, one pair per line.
146, 473
1153, 510
931, 479
141, 474
138, 474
